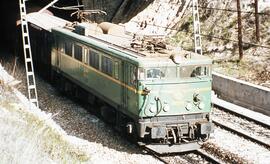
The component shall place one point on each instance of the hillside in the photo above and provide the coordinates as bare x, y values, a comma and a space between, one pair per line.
219, 34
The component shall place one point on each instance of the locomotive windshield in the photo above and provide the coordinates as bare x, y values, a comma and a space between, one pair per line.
174, 72
161, 73
158, 73
194, 71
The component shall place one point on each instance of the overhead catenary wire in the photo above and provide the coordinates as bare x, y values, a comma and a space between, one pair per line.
205, 35
175, 29
214, 8
231, 10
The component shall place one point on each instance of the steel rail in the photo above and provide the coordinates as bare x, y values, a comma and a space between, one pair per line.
154, 154
242, 133
208, 157
160, 158
200, 152
242, 112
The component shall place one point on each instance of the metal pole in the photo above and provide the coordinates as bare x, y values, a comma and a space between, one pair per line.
257, 21
196, 27
47, 6
240, 42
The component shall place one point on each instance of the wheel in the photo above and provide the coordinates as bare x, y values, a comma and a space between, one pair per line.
108, 114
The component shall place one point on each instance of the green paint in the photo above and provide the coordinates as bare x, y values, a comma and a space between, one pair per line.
122, 92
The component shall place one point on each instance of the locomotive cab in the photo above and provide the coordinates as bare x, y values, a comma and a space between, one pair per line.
175, 103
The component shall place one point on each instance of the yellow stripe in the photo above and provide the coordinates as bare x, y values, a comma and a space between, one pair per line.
104, 75
117, 81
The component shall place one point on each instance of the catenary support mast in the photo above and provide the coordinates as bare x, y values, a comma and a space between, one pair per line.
196, 27
30, 76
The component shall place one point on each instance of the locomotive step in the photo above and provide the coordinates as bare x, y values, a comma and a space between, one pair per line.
175, 148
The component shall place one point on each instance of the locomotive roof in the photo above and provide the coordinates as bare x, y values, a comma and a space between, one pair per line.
118, 44
45, 20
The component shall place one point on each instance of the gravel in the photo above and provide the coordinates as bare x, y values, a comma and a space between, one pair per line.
236, 148
75, 120
185, 158
104, 144
248, 150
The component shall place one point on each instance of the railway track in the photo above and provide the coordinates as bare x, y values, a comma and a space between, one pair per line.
197, 156
248, 114
242, 124
243, 134
208, 156
249, 124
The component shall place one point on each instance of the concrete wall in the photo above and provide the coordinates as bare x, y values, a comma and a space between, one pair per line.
242, 93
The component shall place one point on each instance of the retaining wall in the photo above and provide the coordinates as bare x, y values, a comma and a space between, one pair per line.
242, 93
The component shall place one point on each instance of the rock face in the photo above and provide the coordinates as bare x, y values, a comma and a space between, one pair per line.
117, 10
159, 18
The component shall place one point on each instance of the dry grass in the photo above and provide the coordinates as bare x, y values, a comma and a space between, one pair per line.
31, 136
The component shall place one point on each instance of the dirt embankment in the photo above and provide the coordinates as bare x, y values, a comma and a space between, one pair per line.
30, 135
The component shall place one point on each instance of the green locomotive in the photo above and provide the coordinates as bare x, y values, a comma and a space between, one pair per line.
160, 97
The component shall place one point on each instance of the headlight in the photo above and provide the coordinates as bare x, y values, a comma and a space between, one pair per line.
152, 109
189, 106
201, 105
166, 108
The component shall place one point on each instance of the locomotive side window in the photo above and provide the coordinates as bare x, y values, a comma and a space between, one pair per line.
116, 70
106, 65
78, 52
68, 48
60, 47
93, 59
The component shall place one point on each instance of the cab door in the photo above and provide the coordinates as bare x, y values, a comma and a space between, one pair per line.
130, 98
125, 75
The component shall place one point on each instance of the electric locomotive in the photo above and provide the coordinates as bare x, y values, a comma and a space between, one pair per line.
158, 94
